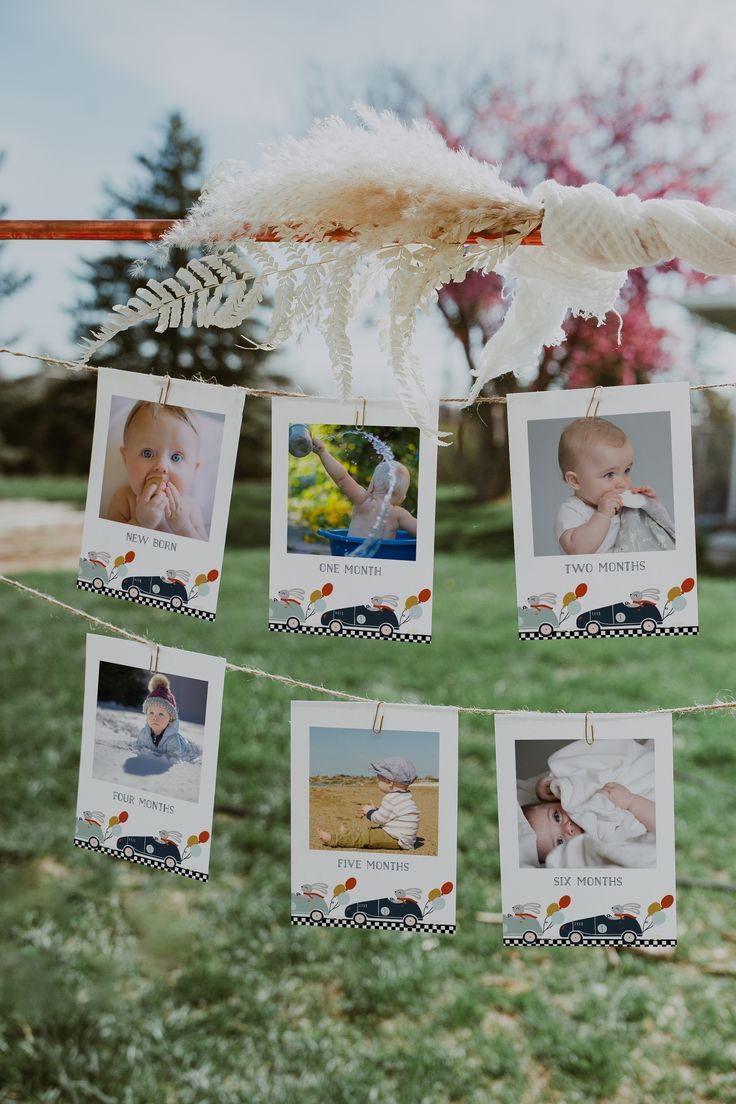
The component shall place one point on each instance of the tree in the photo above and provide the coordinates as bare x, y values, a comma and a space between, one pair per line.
11, 280
636, 127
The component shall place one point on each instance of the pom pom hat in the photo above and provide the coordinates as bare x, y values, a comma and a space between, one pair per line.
159, 693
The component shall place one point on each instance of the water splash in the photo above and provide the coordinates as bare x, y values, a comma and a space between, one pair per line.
371, 544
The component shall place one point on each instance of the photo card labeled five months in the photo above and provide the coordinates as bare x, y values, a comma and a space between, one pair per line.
148, 764
604, 526
352, 520
374, 816
158, 497
586, 829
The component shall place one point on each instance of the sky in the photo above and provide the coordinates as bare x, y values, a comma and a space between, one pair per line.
352, 750
85, 86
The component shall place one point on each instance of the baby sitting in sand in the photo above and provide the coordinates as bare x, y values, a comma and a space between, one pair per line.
369, 503
161, 454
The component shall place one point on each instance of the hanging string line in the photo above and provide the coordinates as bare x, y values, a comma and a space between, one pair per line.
262, 392
258, 672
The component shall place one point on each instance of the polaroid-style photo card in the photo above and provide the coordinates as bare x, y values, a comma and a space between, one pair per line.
148, 763
352, 520
158, 497
374, 815
604, 524
586, 828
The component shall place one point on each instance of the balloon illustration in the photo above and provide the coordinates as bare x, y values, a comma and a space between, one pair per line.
659, 918
687, 585
122, 817
350, 883
213, 576
327, 590
192, 840
679, 603
338, 890
552, 908
112, 821
118, 561
196, 850
320, 605
129, 557
569, 597
654, 907
315, 595
581, 590
673, 592
574, 606
123, 570
667, 900
203, 837
343, 898
201, 578
434, 894
445, 888
564, 901
438, 904
116, 830
415, 612
411, 601
424, 595
204, 590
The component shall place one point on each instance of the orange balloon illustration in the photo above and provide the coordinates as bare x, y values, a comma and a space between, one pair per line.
213, 575
447, 887
564, 901
203, 837
350, 883
327, 590
129, 557
424, 595
581, 590
122, 817
667, 900
687, 585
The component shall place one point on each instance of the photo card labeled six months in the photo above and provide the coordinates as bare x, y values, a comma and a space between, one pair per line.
604, 527
158, 497
352, 520
586, 829
148, 762
374, 815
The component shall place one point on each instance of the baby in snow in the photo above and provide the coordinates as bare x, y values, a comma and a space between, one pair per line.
160, 734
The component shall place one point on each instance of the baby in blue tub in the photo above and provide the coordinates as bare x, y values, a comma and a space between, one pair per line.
368, 503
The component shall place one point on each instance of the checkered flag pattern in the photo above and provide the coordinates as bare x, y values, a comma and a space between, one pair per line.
144, 860
145, 600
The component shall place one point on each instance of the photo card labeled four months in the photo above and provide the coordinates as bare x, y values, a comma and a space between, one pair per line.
374, 815
604, 526
352, 520
158, 497
586, 829
148, 764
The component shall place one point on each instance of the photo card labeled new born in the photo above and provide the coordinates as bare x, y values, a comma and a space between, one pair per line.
374, 815
352, 520
148, 763
586, 829
604, 525
158, 497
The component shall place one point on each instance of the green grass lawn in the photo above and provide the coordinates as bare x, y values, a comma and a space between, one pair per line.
123, 985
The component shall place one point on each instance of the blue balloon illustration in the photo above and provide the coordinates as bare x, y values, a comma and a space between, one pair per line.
659, 918
117, 829
415, 613
196, 850
320, 605
574, 607
679, 603
122, 570
343, 899
438, 904
203, 590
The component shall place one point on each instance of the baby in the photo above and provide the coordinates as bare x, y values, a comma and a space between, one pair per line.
160, 734
395, 823
596, 459
161, 453
367, 504
552, 826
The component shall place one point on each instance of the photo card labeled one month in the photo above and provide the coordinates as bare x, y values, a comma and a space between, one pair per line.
604, 525
586, 829
352, 520
374, 816
148, 763
158, 497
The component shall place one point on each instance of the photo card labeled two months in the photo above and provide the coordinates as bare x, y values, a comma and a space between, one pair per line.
604, 525
158, 497
374, 816
352, 520
586, 829
148, 763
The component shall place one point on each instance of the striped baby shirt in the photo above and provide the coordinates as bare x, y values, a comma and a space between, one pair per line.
398, 815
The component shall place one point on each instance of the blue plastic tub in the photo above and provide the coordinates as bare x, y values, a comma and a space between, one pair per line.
403, 547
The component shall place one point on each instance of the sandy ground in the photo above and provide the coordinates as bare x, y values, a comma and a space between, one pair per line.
39, 536
115, 762
333, 805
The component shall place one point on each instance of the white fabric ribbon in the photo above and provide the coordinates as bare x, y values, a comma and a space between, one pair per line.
591, 238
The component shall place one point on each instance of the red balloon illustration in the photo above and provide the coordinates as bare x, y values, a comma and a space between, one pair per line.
350, 883
581, 590
687, 585
129, 557
212, 575
327, 590
445, 888
122, 817
564, 901
667, 900
203, 837
424, 595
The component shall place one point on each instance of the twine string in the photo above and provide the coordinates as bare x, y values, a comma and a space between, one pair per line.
258, 672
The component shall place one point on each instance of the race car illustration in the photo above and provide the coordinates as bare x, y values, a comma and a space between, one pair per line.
93, 570
309, 904
645, 616
406, 912
157, 587
618, 927
152, 847
90, 827
541, 620
523, 926
288, 610
384, 621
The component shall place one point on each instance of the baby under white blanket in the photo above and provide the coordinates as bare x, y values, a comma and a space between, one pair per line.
612, 836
